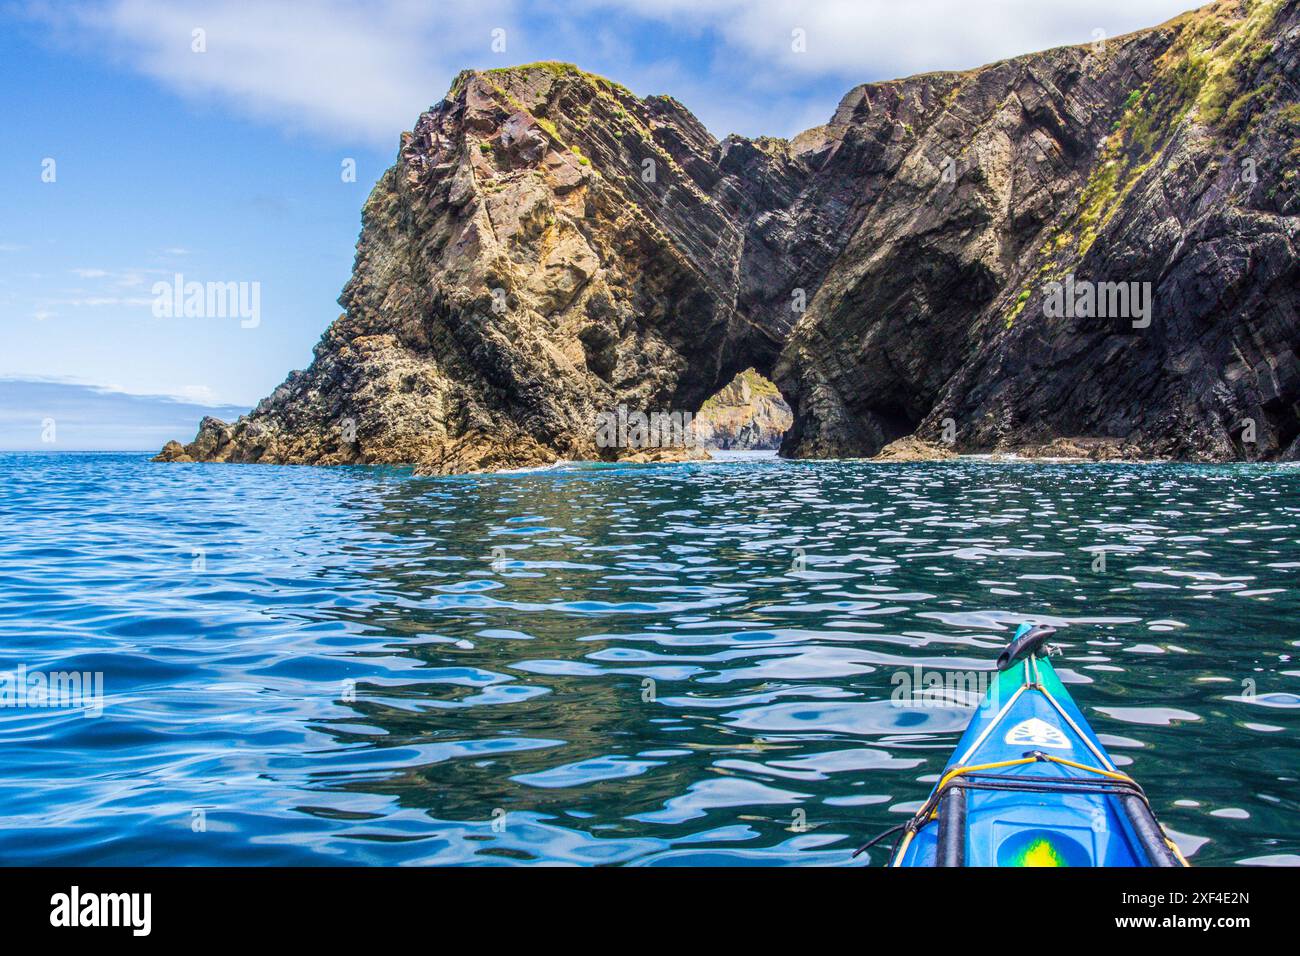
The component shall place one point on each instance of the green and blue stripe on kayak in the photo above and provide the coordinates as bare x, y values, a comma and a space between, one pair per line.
1029, 784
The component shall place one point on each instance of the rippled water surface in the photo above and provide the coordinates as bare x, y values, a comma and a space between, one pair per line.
638, 664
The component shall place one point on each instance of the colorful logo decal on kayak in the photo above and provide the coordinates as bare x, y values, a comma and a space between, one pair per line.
1036, 733
1042, 848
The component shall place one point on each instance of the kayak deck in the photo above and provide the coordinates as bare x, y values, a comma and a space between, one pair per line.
1031, 785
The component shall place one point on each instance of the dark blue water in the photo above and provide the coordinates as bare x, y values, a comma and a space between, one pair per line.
600, 664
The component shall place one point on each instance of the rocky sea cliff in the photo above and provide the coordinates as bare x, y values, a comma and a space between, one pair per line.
1092, 247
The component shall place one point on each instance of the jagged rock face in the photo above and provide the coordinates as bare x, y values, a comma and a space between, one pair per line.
1123, 165
549, 247
747, 414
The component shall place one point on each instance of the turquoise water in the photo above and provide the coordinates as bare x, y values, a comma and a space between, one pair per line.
600, 664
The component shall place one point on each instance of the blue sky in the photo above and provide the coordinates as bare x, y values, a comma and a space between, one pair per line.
224, 165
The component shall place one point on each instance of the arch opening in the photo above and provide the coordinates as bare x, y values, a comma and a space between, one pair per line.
746, 414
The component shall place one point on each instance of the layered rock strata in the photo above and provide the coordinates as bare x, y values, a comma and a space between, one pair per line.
1090, 247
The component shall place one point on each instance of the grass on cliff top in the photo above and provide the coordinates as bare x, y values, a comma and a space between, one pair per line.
577, 122
1233, 55
1205, 73
559, 68
1202, 71
729, 394
604, 87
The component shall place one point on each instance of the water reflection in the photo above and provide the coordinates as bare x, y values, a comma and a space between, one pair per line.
638, 664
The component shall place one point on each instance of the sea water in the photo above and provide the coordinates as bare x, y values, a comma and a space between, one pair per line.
654, 664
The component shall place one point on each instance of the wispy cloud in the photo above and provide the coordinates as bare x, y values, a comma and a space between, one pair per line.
99, 301
771, 40
358, 72
99, 417
108, 286
185, 394
361, 72
129, 278
202, 394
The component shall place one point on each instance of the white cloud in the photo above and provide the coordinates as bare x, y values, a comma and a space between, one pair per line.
202, 394
754, 82
361, 72
130, 278
884, 39
184, 394
357, 72
99, 301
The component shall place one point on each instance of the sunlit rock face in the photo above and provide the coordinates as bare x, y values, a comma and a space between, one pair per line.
550, 248
748, 414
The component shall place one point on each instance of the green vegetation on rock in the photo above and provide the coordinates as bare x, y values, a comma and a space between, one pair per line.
1202, 75
1021, 301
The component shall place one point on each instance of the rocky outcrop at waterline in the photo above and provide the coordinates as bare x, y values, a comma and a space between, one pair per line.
912, 449
1094, 245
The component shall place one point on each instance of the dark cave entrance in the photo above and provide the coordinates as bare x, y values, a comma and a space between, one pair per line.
729, 389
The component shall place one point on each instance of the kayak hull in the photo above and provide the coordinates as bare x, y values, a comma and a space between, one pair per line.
1029, 784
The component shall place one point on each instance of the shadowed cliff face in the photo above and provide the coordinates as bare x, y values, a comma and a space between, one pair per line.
549, 248
1169, 158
